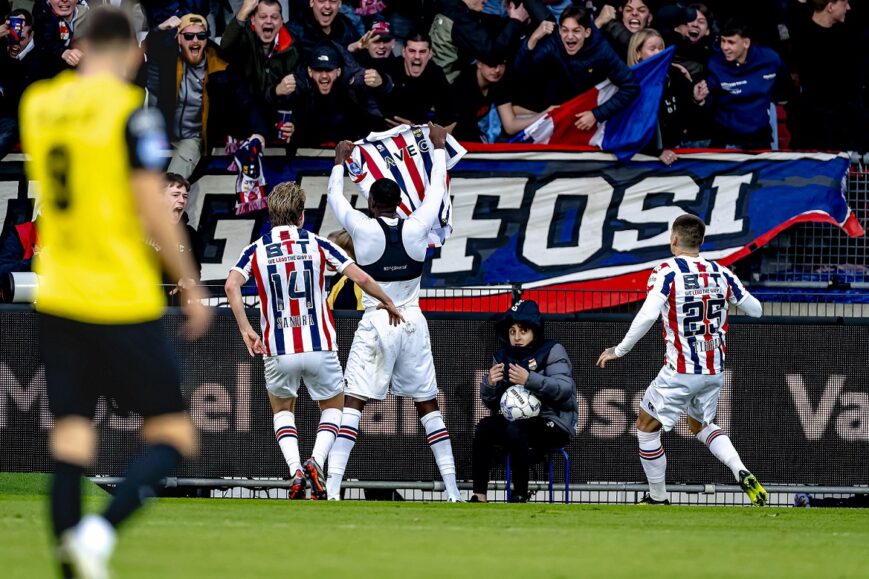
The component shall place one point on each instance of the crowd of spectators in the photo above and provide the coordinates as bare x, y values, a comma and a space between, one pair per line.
311, 72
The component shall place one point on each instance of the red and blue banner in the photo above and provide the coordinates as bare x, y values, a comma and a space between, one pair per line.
540, 218
545, 219
626, 133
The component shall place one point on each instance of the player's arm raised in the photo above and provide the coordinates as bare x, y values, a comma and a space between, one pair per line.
347, 216
429, 210
372, 288
233, 294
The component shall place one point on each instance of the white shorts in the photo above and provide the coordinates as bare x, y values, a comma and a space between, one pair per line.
670, 394
321, 371
401, 354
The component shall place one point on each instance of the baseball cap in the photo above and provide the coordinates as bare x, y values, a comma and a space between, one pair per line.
669, 17
324, 57
381, 28
191, 20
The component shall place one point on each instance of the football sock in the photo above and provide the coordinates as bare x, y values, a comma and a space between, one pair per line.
654, 463
143, 475
330, 422
340, 452
65, 496
288, 439
439, 440
720, 445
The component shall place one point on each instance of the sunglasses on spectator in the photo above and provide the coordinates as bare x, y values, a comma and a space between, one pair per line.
191, 35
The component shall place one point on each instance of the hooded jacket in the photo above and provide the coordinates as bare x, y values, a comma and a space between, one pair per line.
550, 371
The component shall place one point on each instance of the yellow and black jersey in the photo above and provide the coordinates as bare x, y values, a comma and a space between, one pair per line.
84, 136
345, 295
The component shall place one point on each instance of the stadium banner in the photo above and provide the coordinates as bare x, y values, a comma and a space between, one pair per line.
540, 217
795, 403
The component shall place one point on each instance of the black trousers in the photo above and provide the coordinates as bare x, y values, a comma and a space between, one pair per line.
526, 441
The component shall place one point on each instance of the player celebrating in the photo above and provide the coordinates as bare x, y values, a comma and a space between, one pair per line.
98, 159
393, 251
691, 295
289, 264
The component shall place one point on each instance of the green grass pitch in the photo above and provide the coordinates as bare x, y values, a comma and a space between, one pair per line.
216, 538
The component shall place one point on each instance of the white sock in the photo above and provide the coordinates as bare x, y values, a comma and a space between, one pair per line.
97, 535
288, 439
654, 463
330, 422
340, 452
439, 440
720, 445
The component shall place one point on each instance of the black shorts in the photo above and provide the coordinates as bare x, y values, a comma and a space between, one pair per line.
132, 364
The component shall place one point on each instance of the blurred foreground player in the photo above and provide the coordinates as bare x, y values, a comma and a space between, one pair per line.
691, 295
393, 251
98, 158
299, 339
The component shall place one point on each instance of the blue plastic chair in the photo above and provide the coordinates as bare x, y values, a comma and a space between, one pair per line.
549, 454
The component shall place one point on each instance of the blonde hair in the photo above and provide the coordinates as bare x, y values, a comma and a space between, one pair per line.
638, 39
343, 240
287, 204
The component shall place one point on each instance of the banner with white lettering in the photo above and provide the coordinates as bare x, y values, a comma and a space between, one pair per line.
574, 221
560, 219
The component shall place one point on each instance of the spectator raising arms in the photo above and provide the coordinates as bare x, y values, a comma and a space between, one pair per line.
420, 89
571, 62
262, 54
55, 23
20, 66
461, 33
325, 108
618, 26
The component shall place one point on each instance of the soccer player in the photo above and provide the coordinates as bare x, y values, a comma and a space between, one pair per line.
691, 295
98, 159
392, 251
289, 265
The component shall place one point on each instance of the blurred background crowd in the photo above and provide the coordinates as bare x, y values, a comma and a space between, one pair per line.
754, 74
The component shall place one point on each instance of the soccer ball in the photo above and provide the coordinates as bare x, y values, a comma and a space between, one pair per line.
517, 403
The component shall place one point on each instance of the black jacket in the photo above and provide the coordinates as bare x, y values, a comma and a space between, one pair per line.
479, 35
415, 98
562, 77
550, 376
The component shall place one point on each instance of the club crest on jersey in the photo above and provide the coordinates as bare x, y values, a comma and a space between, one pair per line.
356, 171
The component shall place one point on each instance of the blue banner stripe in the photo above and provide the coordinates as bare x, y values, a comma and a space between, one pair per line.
668, 282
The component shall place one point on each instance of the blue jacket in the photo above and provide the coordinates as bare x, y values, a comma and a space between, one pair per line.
568, 76
740, 94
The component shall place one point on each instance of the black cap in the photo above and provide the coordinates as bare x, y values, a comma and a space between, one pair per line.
324, 57
382, 29
669, 17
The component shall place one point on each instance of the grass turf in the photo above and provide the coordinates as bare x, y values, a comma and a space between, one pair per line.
213, 538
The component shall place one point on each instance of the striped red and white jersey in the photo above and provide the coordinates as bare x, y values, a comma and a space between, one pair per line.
404, 154
697, 294
289, 266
